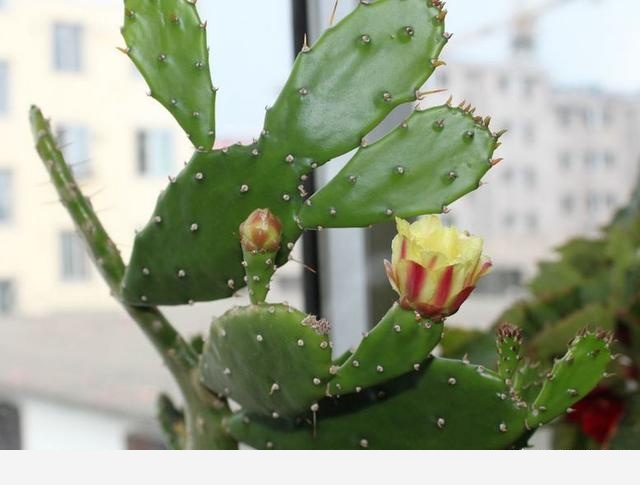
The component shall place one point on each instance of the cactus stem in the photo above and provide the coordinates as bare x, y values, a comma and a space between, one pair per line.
180, 358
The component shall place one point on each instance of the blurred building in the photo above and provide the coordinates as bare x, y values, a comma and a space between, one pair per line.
75, 372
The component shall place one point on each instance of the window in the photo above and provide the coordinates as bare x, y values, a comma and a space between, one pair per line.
611, 200
10, 438
154, 153
529, 177
507, 174
73, 140
4, 87
67, 47
532, 223
499, 281
564, 116
529, 132
609, 159
593, 201
503, 83
141, 441
509, 220
590, 160
529, 86
7, 297
73, 257
565, 160
6, 196
568, 203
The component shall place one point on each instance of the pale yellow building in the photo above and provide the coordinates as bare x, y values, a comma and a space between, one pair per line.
68, 64
123, 145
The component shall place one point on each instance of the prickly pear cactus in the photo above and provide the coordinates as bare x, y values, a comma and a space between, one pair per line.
167, 42
233, 215
442, 404
386, 50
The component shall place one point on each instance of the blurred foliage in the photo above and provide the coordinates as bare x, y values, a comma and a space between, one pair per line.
592, 283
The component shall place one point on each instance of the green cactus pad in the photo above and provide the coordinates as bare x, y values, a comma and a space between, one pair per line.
552, 340
190, 249
527, 380
172, 423
375, 59
435, 157
167, 42
571, 378
397, 344
268, 358
446, 405
508, 343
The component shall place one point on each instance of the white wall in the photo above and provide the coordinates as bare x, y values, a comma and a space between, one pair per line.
46, 425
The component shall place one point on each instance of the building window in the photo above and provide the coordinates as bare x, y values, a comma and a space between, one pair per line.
504, 83
529, 132
507, 174
565, 160
609, 159
529, 177
140, 441
532, 223
564, 116
593, 201
10, 435
568, 203
499, 281
442, 78
4, 87
154, 153
73, 141
73, 258
7, 297
611, 200
6, 196
529, 86
67, 47
509, 220
590, 160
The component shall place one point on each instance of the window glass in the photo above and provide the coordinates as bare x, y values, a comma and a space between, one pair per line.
73, 140
6, 195
7, 298
67, 47
4, 87
154, 153
73, 257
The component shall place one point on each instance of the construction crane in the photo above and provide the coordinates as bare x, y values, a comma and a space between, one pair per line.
522, 25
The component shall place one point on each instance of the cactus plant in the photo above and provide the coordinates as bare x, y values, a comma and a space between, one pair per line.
233, 215
594, 281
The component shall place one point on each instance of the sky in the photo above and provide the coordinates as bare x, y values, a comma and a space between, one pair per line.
581, 42
587, 43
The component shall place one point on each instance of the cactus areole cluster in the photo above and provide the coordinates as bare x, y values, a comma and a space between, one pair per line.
233, 215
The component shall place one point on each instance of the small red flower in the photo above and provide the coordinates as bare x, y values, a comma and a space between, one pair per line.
598, 414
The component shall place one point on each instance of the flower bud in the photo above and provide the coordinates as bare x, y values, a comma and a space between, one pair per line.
261, 232
434, 268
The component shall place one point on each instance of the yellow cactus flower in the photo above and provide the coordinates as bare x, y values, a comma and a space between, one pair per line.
434, 268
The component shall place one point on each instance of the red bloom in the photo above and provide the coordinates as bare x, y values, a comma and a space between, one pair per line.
598, 414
